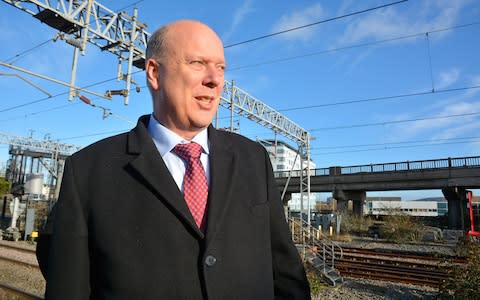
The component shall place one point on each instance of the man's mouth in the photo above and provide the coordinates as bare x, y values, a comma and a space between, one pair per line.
205, 99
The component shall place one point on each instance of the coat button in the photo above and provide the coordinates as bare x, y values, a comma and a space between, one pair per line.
210, 260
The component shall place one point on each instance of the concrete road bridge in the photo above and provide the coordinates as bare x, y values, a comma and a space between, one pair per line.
452, 175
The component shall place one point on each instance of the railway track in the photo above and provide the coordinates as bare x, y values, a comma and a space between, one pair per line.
11, 292
394, 266
18, 262
16, 254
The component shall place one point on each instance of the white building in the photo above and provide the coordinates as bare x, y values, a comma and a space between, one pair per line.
412, 208
295, 204
284, 158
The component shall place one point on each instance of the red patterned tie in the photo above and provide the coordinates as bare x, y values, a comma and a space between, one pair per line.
195, 187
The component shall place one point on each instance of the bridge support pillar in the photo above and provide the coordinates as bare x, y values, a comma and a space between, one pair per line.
457, 207
350, 201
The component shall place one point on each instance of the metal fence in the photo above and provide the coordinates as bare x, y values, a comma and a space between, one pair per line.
445, 163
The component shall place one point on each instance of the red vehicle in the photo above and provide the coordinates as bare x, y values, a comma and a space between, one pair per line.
474, 209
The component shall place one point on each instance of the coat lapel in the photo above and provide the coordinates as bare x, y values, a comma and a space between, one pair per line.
223, 168
151, 168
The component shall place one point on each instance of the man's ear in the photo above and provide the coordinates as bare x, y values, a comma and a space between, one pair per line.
151, 70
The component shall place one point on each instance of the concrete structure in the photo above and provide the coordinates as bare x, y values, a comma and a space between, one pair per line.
451, 175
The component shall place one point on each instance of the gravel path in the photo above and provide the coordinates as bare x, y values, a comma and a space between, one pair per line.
21, 276
353, 289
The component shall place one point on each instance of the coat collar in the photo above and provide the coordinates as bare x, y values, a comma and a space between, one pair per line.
223, 172
150, 166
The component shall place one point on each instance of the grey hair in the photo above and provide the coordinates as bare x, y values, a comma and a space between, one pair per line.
157, 43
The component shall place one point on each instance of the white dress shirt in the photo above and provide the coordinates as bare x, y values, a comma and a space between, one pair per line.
165, 140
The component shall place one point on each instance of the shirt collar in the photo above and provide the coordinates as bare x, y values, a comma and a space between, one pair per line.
165, 139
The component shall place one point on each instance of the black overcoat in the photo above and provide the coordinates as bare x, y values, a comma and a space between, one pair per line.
121, 229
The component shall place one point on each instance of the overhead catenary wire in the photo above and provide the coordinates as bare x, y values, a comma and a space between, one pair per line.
106, 111
427, 38
314, 23
392, 147
59, 94
106, 133
372, 99
16, 57
397, 143
320, 52
390, 97
382, 123
317, 150
40, 112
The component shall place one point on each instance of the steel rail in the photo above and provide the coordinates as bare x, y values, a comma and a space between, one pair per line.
14, 291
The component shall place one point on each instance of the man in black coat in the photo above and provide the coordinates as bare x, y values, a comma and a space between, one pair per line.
122, 228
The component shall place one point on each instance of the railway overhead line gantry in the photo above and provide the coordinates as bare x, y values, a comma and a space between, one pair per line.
81, 22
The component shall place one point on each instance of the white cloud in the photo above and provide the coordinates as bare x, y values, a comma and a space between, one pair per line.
295, 19
391, 22
447, 78
442, 128
238, 16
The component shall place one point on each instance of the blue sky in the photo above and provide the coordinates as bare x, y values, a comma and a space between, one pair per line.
341, 80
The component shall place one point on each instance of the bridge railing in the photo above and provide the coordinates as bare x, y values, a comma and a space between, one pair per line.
445, 163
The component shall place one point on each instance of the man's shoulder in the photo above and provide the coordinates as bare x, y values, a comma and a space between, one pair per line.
115, 144
106, 146
236, 139
240, 144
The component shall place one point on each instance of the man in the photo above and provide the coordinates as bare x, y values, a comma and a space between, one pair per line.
124, 226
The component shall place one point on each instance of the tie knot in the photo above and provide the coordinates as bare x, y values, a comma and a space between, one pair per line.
188, 151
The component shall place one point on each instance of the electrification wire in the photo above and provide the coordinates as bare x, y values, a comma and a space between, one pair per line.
393, 122
40, 112
14, 58
94, 134
384, 122
129, 5
288, 58
391, 97
465, 139
312, 24
390, 148
60, 94
430, 61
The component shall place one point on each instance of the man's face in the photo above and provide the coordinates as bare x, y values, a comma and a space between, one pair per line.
189, 79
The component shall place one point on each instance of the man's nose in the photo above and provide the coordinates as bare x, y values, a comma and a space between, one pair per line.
213, 77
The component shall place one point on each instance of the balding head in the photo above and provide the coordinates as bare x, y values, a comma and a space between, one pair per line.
185, 66
158, 43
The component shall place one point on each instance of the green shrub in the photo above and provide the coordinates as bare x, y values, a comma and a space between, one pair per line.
4, 186
399, 227
357, 225
315, 280
465, 279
